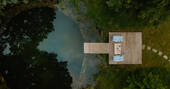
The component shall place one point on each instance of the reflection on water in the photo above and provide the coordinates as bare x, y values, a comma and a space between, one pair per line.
67, 42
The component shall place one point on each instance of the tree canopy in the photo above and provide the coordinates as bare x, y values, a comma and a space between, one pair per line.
145, 12
140, 78
154, 78
29, 26
35, 70
4, 3
25, 66
127, 13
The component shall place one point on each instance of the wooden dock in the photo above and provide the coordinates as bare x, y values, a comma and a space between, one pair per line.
131, 48
96, 48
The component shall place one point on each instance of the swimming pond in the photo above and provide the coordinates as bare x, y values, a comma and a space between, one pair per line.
67, 42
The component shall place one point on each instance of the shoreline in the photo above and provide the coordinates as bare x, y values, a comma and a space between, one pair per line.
89, 34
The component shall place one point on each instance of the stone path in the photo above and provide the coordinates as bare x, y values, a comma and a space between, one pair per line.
159, 53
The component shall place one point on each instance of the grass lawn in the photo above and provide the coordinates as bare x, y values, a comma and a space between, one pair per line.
150, 59
158, 38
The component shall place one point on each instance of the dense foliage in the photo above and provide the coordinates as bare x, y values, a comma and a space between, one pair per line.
29, 26
110, 78
99, 13
144, 12
34, 69
24, 66
4, 3
141, 78
127, 13
154, 78
3, 84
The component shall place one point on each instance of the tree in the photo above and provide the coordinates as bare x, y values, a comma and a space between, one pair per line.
111, 14
110, 78
4, 3
3, 84
98, 12
29, 26
26, 67
148, 79
143, 12
40, 70
115, 77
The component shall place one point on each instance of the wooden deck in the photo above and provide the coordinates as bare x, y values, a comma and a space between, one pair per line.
131, 48
97, 48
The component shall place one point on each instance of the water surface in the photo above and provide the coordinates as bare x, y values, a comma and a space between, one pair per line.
67, 42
